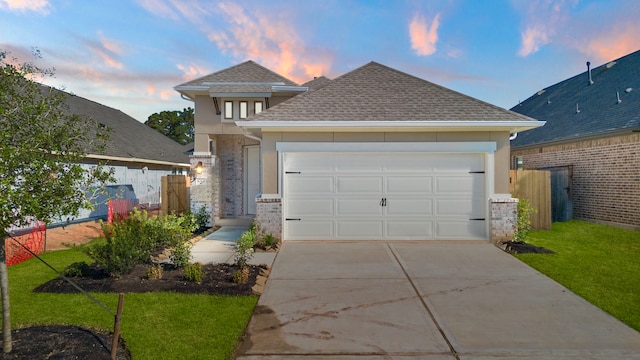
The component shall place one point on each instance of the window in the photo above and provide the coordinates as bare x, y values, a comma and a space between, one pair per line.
244, 109
228, 109
257, 107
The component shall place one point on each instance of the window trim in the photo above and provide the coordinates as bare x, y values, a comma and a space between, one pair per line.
228, 114
255, 103
246, 109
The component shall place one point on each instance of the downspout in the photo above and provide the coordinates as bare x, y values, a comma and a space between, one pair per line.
513, 136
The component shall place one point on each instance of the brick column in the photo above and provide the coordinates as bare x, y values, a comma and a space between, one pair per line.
205, 185
269, 215
504, 219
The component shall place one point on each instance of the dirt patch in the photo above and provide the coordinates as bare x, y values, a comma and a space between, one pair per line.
515, 247
62, 237
63, 342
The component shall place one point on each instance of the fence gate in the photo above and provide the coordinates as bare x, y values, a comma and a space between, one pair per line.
534, 185
561, 203
175, 195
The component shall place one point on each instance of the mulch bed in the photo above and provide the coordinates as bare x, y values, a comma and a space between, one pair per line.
73, 342
218, 279
516, 247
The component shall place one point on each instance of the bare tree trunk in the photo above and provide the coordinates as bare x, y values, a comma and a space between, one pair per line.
4, 286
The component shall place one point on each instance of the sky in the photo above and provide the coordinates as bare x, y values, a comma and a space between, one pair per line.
129, 54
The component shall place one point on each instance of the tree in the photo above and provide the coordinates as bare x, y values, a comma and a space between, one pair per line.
177, 125
41, 146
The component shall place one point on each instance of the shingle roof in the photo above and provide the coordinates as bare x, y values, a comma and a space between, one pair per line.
248, 71
375, 92
317, 83
599, 110
128, 138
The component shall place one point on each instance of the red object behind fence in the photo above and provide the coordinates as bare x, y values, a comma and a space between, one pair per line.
119, 209
33, 238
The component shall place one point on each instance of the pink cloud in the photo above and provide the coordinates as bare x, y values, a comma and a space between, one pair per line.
272, 42
543, 18
40, 6
424, 37
191, 10
612, 45
191, 71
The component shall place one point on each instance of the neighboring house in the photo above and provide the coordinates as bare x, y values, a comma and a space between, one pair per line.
591, 142
139, 155
373, 154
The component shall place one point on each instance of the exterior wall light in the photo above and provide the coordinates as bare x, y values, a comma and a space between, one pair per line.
198, 169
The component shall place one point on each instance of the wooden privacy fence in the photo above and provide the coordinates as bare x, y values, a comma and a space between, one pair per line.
534, 185
174, 195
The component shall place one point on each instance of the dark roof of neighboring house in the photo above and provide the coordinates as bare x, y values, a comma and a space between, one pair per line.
128, 137
574, 109
248, 71
317, 83
375, 92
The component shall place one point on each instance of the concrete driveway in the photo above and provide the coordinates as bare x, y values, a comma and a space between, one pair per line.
423, 300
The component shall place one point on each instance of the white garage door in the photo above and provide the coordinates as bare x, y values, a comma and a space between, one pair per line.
390, 196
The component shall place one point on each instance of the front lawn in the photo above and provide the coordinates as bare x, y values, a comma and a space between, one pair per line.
598, 262
154, 325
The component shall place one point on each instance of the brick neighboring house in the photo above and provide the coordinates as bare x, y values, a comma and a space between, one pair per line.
592, 131
375, 154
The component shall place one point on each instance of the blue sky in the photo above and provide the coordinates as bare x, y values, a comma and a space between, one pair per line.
130, 54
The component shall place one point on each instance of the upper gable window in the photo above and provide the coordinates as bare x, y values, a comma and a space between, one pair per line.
228, 109
244, 109
257, 107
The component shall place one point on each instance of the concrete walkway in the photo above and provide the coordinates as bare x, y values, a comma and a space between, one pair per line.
220, 247
428, 300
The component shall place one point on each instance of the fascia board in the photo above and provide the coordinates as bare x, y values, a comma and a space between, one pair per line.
511, 126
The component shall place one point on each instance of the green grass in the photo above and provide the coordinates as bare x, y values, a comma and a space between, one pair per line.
598, 262
154, 325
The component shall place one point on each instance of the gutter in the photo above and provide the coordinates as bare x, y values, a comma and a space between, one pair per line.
512, 126
136, 160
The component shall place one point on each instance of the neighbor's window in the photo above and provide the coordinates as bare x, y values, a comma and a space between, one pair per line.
257, 107
244, 109
228, 109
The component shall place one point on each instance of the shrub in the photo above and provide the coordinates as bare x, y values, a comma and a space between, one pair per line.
181, 254
76, 269
524, 219
269, 240
193, 272
241, 276
131, 241
244, 251
202, 218
153, 272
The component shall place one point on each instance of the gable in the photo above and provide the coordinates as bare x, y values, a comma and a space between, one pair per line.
575, 108
246, 72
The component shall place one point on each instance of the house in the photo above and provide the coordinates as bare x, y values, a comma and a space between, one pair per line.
591, 142
373, 154
139, 155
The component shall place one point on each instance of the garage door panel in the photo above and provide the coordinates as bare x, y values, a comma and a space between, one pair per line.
359, 184
360, 229
409, 185
472, 208
461, 185
417, 163
359, 164
459, 163
309, 207
306, 185
452, 229
409, 207
308, 163
358, 207
309, 229
410, 230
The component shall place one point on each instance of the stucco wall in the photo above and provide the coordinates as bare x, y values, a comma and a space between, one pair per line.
270, 158
606, 176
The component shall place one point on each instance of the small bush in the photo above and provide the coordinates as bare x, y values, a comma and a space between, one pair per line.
269, 240
153, 272
131, 241
241, 276
76, 269
181, 254
203, 218
524, 220
194, 272
244, 251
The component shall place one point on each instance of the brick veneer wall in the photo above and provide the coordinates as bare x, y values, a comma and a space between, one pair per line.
230, 150
204, 187
269, 216
606, 176
504, 219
